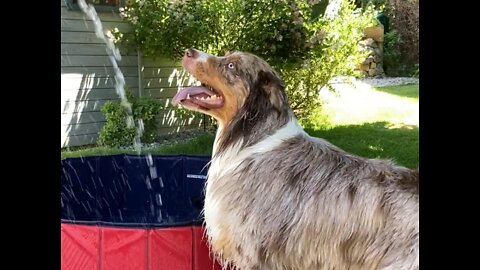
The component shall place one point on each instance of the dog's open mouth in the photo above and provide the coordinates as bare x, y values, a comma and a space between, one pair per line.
203, 97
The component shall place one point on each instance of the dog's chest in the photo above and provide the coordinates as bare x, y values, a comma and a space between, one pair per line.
220, 190
231, 194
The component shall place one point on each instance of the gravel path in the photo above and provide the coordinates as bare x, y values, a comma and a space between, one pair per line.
388, 81
376, 82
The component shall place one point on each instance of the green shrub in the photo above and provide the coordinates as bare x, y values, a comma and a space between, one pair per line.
272, 29
404, 17
334, 52
416, 71
391, 53
116, 132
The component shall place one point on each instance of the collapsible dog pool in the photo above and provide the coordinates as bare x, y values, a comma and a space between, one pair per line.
117, 215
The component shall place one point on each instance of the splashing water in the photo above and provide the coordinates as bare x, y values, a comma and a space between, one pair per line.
115, 56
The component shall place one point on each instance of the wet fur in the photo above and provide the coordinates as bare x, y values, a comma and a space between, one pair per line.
277, 198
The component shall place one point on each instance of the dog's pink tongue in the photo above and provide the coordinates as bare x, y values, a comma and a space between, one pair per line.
191, 90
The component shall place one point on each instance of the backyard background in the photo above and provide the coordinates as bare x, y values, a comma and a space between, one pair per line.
360, 117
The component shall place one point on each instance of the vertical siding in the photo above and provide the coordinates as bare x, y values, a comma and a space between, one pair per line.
162, 78
88, 80
87, 75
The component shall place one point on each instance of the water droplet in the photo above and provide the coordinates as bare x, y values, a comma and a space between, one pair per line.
160, 181
140, 127
126, 182
100, 181
130, 121
90, 166
74, 171
92, 178
152, 209
111, 193
149, 184
120, 214
153, 172
149, 160
137, 144
159, 215
89, 207
159, 199
106, 203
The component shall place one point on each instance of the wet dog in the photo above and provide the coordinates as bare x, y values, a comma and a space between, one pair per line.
277, 198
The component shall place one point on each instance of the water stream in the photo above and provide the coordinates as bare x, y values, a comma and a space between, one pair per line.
115, 57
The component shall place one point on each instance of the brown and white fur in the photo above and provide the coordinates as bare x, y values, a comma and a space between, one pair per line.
277, 198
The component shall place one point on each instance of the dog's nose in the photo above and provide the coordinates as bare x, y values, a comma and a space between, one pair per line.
191, 53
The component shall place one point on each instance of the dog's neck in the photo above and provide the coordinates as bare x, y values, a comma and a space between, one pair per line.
246, 129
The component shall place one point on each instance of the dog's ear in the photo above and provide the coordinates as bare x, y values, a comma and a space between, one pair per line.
273, 87
227, 53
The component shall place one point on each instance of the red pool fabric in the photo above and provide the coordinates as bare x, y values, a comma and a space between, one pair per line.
123, 249
93, 247
202, 258
80, 247
170, 248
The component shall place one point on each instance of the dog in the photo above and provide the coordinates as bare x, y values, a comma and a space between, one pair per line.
277, 198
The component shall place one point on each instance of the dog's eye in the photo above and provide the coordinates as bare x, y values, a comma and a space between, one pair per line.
231, 65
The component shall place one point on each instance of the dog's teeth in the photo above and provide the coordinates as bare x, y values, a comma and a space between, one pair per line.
188, 96
208, 98
202, 98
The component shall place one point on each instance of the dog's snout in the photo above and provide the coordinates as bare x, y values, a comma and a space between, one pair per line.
191, 53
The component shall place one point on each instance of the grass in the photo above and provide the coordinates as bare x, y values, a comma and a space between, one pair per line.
396, 105
375, 140
201, 145
370, 122
408, 91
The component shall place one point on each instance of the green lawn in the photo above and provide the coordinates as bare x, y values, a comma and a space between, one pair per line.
375, 140
371, 122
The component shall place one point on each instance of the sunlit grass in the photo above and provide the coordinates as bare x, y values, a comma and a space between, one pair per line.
350, 106
371, 122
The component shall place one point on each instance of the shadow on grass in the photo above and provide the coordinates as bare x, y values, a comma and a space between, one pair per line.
375, 140
408, 91
371, 140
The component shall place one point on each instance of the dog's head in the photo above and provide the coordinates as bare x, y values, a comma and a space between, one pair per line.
236, 84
